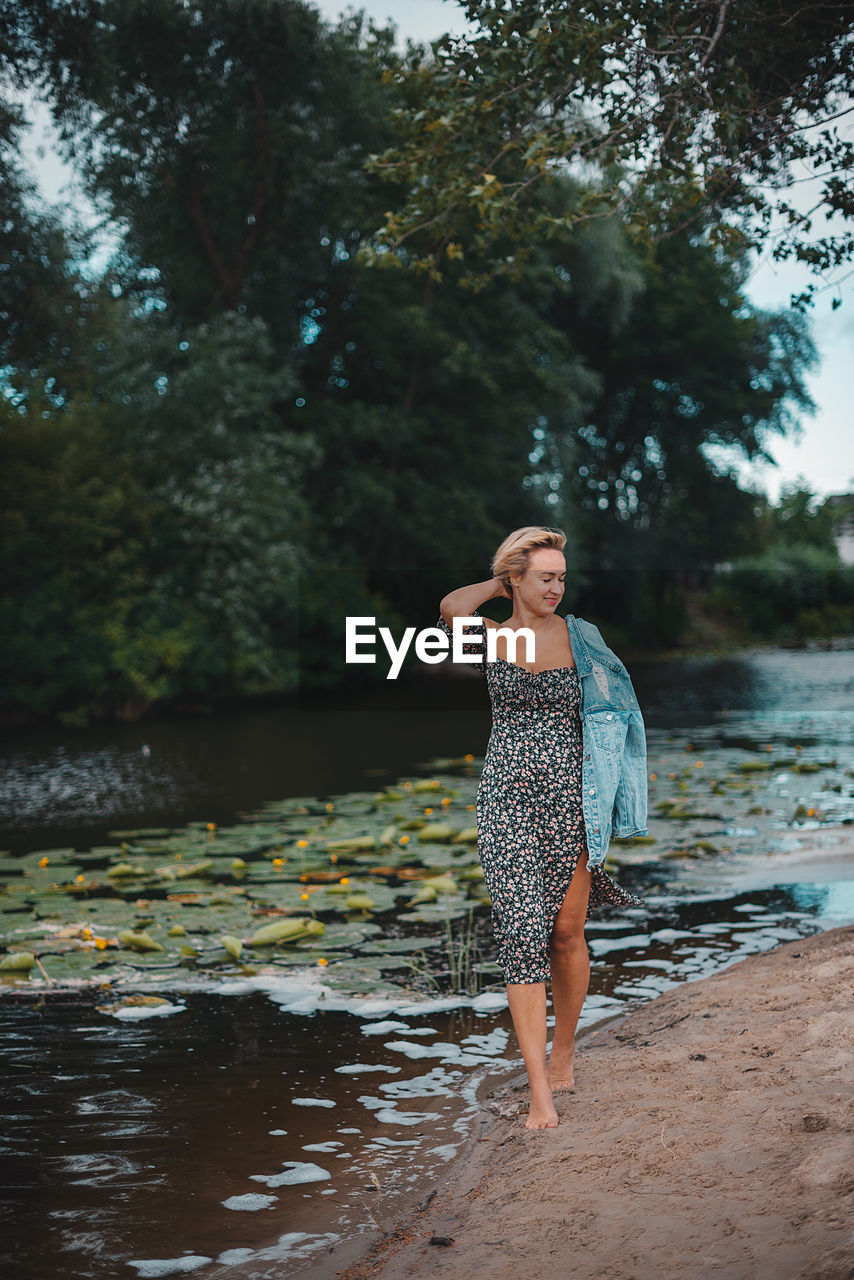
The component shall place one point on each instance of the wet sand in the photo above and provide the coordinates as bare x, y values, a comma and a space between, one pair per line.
710, 1134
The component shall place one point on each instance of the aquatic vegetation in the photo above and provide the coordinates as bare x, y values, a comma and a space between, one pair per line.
138, 941
378, 889
292, 930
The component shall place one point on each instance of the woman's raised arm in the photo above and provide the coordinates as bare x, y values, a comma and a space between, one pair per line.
463, 602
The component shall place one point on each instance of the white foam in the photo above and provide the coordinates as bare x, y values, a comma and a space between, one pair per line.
489, 1001
441, 1049
389, 1115
312, 1102
301, 991
601, 946
355, 1068
293, 1244
323, 1146
136, 1012
411, 1050
440, 1004
299, 1171
436, 1084
380, 1028
155, 1267
493, 1044
250, 1203
372, 1104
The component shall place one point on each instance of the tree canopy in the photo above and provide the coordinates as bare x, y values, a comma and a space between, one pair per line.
253, 421
675, 110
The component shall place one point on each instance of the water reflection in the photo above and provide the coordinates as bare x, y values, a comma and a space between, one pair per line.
257, 1139
70, 786
235, 1137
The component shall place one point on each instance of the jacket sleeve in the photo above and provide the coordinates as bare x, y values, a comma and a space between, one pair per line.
604, 651
630, 801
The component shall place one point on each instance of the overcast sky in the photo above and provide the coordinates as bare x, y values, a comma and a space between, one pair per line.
824, 455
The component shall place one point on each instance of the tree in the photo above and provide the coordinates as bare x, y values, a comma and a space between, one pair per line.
43, 298
682, 109
225, 139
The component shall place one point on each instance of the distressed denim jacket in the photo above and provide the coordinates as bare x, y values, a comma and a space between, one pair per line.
613, 774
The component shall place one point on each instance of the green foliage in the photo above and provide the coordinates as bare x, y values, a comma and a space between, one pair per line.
74, 524
248, 426
682, 109
792, 589
152, 529
798, 518
226, 137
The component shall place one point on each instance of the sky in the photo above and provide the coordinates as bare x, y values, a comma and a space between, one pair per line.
822, 457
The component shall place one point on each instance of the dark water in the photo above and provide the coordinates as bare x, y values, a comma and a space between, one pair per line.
238, 1137
162, 1146
70, 786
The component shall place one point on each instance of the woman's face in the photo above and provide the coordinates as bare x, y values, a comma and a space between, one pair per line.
541, 586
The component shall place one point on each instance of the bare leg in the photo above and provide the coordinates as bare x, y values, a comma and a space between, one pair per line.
570, 966
527, 1001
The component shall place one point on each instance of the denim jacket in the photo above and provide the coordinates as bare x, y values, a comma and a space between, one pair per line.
613, 773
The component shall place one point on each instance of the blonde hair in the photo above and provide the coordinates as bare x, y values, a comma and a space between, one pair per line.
515, 551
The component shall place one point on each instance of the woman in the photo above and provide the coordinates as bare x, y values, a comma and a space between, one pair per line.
531, 816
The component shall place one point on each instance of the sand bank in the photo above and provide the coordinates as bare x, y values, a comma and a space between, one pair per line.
711, 1134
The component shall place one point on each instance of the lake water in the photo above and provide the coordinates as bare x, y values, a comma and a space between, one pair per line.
253, 1127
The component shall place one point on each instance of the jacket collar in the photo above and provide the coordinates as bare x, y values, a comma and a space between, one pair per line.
580, 652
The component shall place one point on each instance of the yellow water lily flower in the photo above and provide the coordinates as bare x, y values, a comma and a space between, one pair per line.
278, 862
428, 810
302, 844
330, 806
43, 862
322, 961
404, 840
468, 757
211, 826
446, 800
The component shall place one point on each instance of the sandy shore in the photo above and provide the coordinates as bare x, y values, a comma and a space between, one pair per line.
710, 1134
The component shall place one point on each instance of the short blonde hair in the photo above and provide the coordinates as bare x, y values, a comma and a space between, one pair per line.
515, 551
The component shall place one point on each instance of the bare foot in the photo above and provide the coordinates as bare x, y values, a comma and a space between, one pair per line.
562, 1073
541, 1114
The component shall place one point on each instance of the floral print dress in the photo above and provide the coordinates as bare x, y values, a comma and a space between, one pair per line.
530, 821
